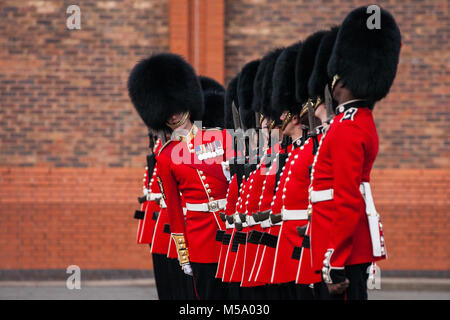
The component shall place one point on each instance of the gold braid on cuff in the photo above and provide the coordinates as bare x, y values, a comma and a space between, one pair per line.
183, 253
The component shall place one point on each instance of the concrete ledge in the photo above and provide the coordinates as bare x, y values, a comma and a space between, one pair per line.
387, 284
86, 283
60, 274
416, 284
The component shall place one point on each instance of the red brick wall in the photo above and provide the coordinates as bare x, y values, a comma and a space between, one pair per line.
55, 217
413, 120
414, 209
64, 101
72, 149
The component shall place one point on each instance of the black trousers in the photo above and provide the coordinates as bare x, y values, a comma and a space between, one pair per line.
304, 292
181, 284
357, 289
163, 276
273, 292
254, 293
233, 291
207, 286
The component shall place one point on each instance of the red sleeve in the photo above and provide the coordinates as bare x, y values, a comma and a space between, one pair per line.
232, 196
347, 154
171, 195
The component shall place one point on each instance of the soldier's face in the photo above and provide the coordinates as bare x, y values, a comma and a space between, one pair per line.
321, 112
175, 118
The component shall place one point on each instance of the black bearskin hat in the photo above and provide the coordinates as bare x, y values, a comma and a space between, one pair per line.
267, 85
319, 77
304, 65
230, 97
366, 59
245, 94
258, 85
214, 96
283, 81
164, 85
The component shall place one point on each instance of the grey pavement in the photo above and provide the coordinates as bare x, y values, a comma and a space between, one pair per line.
144, 289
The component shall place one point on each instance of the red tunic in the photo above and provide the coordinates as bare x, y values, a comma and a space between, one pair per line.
160, 241
230, 259
242, 208
344, 160
291, 194
252, 245
267, 173
146, 226
230, 208
264, 271
199, 182
305, 273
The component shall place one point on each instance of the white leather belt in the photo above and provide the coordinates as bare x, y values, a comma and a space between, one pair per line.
373, 218
237, 218
251, 221
211, 206
321, 195
294, 214
229, 225
372, 215
265, 224
153, 196
325, 195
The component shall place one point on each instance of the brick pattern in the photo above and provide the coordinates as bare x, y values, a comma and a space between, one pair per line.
413, 205
413, 120
52, 218
63, 92
72, 147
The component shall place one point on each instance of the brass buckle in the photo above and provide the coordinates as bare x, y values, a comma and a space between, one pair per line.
213, 206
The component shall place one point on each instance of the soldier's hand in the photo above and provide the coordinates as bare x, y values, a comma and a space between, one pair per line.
187, 269
338, 288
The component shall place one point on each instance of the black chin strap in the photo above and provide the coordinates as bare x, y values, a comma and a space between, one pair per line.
304, 134
315, 144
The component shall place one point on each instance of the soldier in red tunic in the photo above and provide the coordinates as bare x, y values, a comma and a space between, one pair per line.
314, 86
167, 94
291, 199
243, 220
266, 251
150, 208
227, 256
151, 227
345, 228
